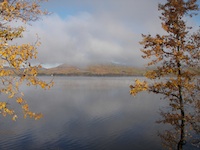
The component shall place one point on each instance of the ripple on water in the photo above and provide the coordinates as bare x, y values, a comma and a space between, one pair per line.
83, 114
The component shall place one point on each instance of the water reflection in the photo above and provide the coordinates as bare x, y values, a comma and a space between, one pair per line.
183, 130
98, 113
86, 113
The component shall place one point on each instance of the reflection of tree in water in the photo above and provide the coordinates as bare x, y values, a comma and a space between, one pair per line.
184, 125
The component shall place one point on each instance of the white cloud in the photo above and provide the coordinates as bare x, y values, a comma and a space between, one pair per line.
109, 33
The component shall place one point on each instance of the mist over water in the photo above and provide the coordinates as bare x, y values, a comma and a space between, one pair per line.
85, 113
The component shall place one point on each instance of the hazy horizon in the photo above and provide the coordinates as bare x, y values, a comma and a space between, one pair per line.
81, 33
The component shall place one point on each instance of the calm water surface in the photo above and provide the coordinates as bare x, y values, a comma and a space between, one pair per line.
85, 113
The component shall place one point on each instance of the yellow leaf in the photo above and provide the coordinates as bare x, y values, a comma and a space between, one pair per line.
14, 117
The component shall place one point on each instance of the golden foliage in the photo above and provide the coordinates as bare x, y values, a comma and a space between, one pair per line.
139, 86
15, 67
172, 56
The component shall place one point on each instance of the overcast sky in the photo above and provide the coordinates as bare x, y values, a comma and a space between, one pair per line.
95, 31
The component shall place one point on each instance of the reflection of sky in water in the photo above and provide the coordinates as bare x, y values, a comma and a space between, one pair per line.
86, 113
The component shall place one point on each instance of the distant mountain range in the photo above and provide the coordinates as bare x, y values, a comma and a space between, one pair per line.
93, 70
97, 70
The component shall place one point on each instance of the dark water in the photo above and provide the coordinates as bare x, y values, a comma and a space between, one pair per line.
85, 113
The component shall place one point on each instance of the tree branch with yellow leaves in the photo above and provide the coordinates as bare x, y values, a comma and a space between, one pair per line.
15, 66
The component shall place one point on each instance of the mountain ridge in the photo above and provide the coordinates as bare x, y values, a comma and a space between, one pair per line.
94, 70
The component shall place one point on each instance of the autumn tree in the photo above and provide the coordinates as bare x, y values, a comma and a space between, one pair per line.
174, 58
15, 66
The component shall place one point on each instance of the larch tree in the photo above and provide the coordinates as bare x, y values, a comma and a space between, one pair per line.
174, 58
15, 66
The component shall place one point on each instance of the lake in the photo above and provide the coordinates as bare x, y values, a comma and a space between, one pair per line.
85, 113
